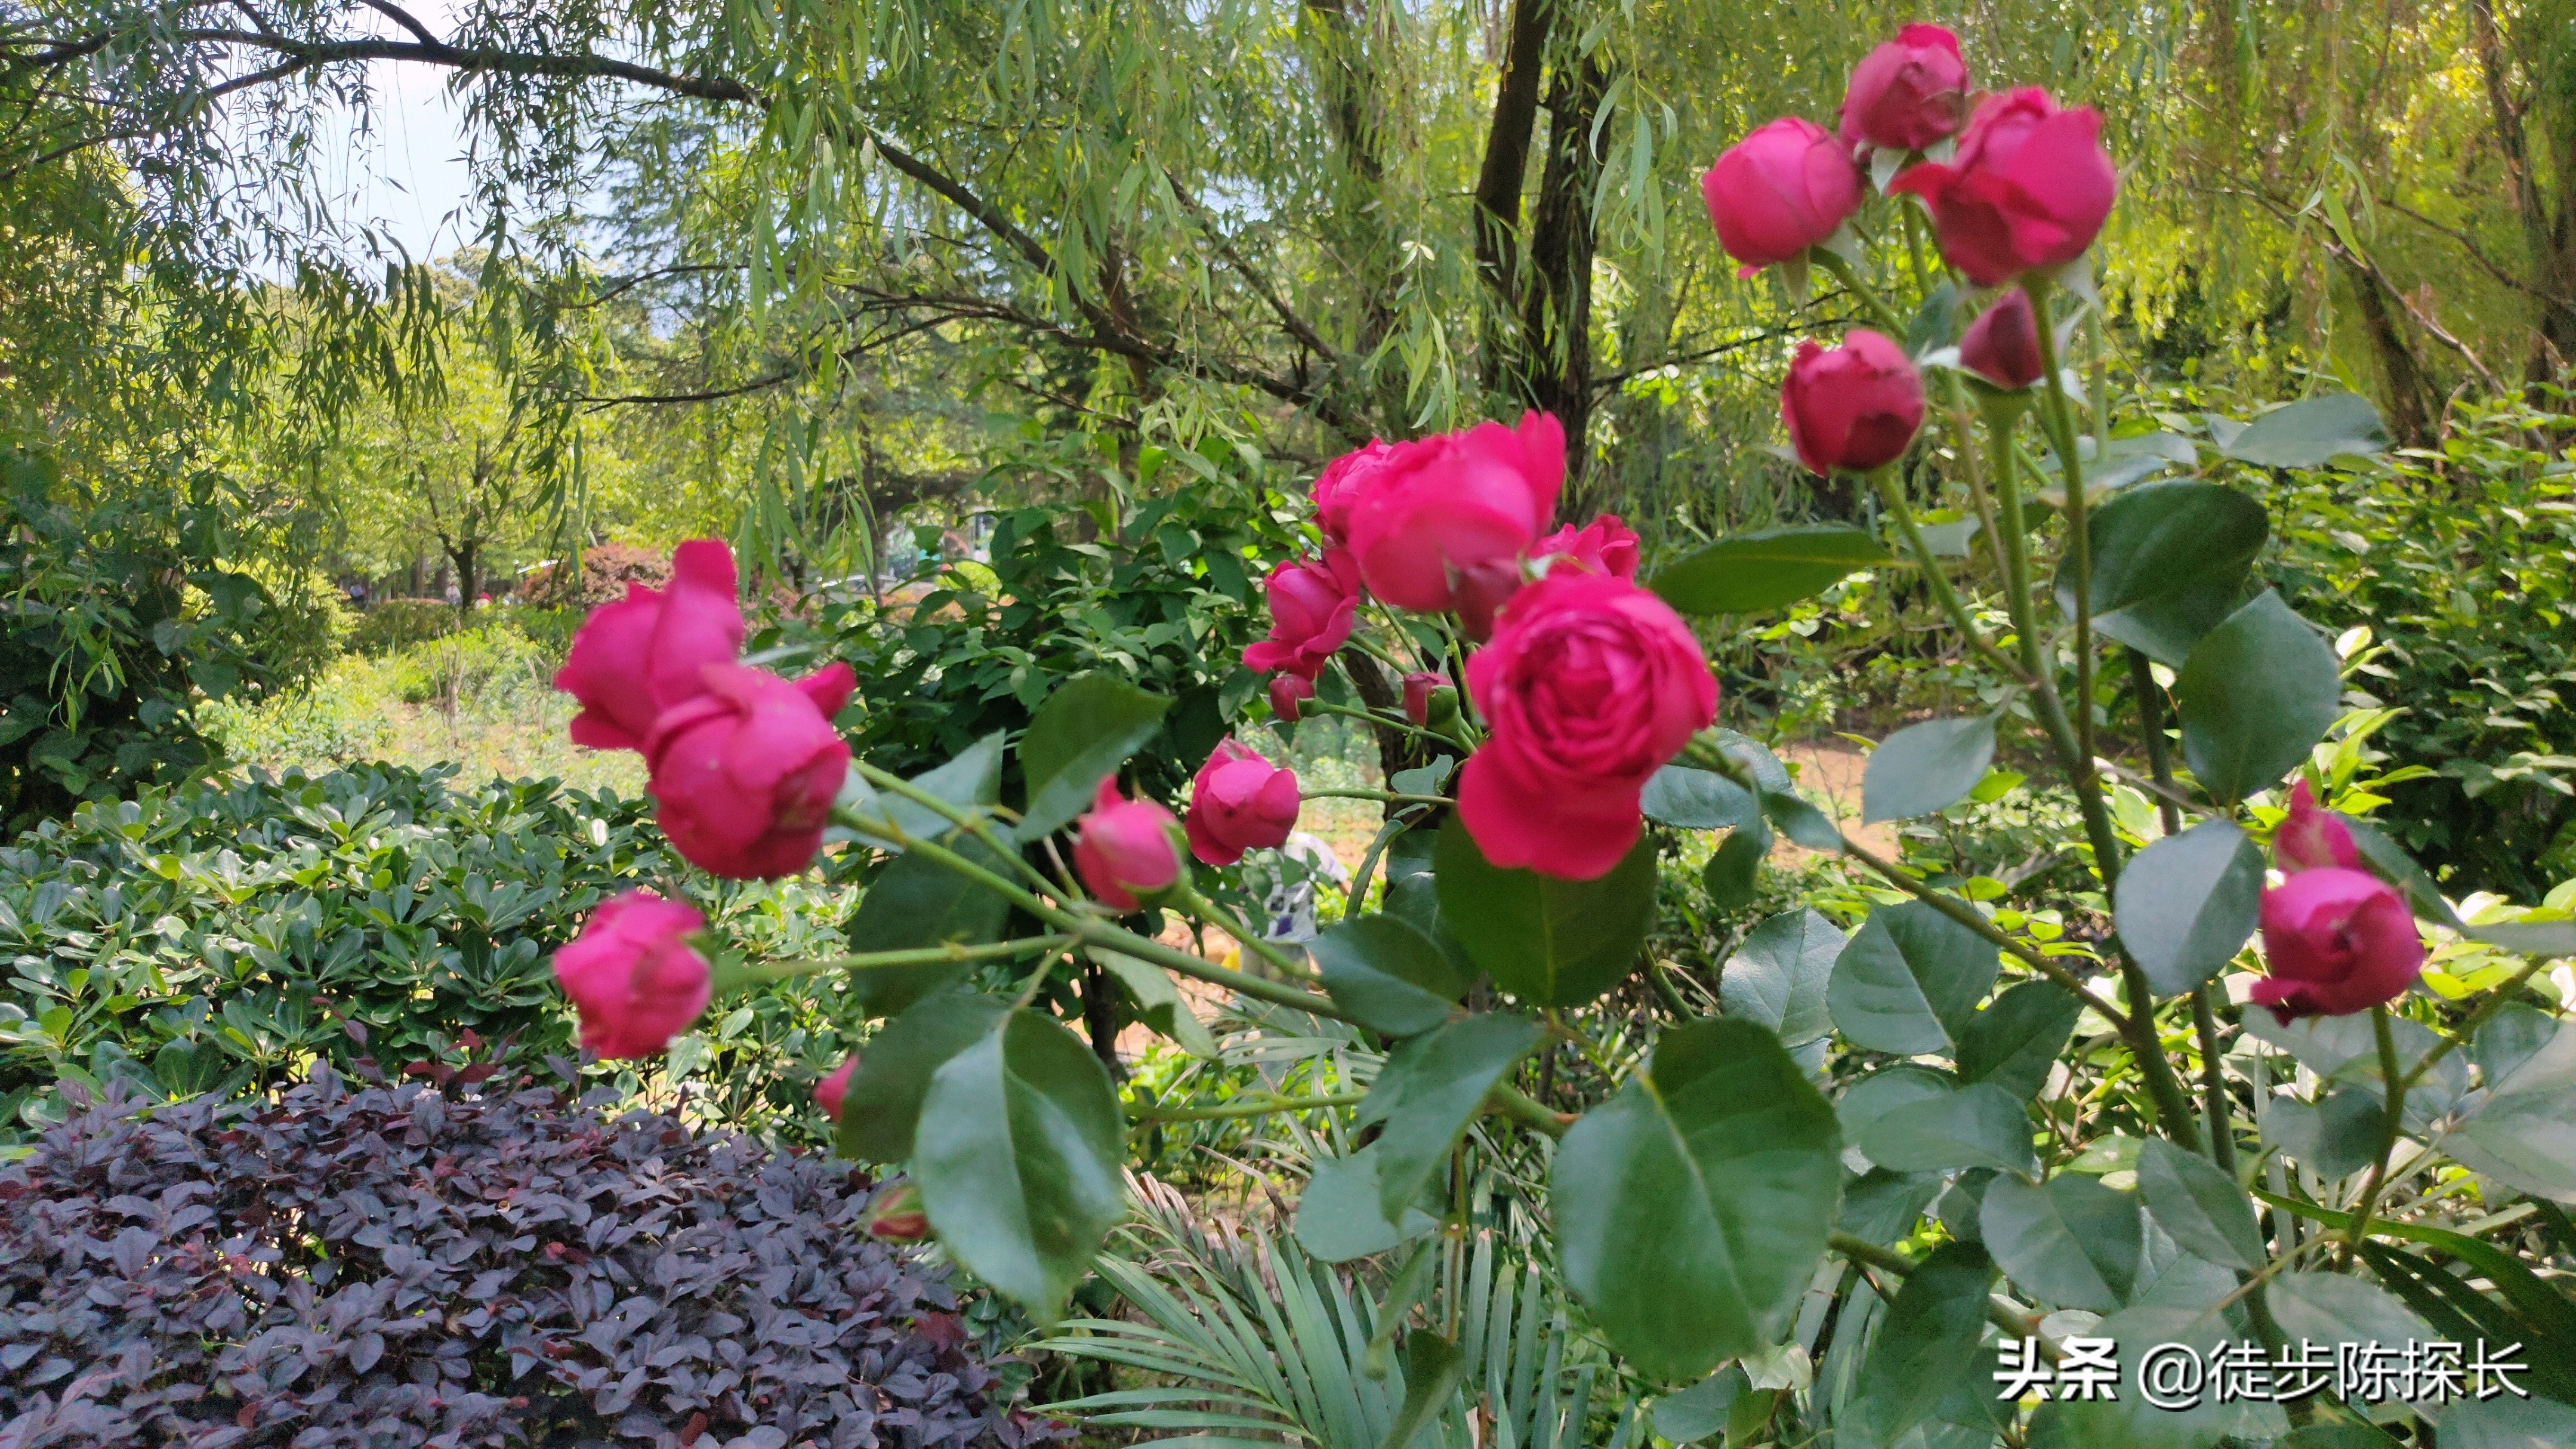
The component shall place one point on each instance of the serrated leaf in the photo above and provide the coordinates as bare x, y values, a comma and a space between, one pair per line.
973, 777
2187, 903
2310, 433
1158, 1002
2070, 1242
916, 902
1979, 1125
2168, 563
1926, 1344
2199, 1207
2014, 1042
1339, 1217
1694, 799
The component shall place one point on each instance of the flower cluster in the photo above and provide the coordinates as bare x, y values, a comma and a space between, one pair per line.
2336, 939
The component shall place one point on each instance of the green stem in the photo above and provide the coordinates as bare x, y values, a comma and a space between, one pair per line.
1512, 1102
1260, 1105
736, 977
2395, 1106
1244, 936
974, 824
2218, 1118
1877, 305
2079, 539
1888, 1260
1376, 795
2495, 1000
1373, 718
1892, 494
1975, 920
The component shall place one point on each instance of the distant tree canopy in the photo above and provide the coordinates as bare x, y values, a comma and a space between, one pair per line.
820, 258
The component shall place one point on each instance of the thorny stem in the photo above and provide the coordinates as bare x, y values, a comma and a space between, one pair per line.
739, 976
1845, 274
1259, 1104
2079, 539
1975, 920
974, 822
2495, 1000
1375, 795
1892, 493
2395, 1129
1244, 936
1888, 1260
1373, 718
2218, 1115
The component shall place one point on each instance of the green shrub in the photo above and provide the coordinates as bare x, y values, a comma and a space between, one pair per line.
489, 664
391, 624
220, 937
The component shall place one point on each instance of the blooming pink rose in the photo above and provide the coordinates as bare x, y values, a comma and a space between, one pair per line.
829, 1091
1447, 518
1417, 694
1312, 604
1779, 191
1605, 546
1590, 685
1239, 802
2002, 346
637, 657
744, 775
632, 975
2335, 941
1908, 93
1287, 692
1854, 407
2312, 839
1340, 485
1124, 848
2028, 189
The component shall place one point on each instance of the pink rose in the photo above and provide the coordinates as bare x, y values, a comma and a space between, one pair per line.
1340, 485
744, 775
1446, 520
1605, 546
1418, 687
1590, 685
637, 657
2312, 839
1287, 692
2335, 941
1239, 802
1124, 849
2002, 346
1779, 191
633, 976
1854, 407
1908, 93
1312, 605
829, 1091
2028, 190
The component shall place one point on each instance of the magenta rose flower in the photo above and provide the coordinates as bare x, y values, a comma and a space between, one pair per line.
1239, 802
1604, 546
1779, 191
2002, 346
632, 975
744, 775
1340, 485
1590, 685
829, 1091
1312, 605
1287, 692
2335, 941
1908, 93
2312, 839
1123, 848
2028, 190
1854, 407
637, 657
1418, 689
1445, 521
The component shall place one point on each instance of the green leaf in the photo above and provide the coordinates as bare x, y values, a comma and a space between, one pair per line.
1801, 821
1387, 974
2505, 1422
2336, 1308
1018, 1154
1415, 900
2528, 938
2512, 1036
1729, 877
1084, 731
1549, 942
973, 778
1158, 1001
1428, 1092
2013, 1042
1694, 799
1702, 1409
2389, 861
1885, 1090
1883, 1206
1910, 981
2339, 1133
882, 1102
1691, 1208
2185, 904
1927, 1343
2199, 1207
1777, 977
2524, 1132
1339, 1218
1979, 1125
2168, 564
1433, 1368
2310, 433
916, 902
2257, 694
2071, 1242
1755, 571
1926, 768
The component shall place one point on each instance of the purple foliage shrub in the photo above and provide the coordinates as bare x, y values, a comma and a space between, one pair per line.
368, 1265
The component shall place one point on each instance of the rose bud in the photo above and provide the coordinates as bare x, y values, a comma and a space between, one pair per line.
1287, 692
829, 1091
896, 1215
1340, 485
1417, 694
1447, 518
1312, 605
1779, 191
1239, 802
2312, 839
1604, 546
1908, 93
2002, 346
1591, 684
637, 657
1124, 851
744, 776
633, 976
1854, 407
2335, 941
2028, 189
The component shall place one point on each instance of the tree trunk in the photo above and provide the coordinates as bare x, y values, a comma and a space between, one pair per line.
464, 556
2409, 393
2549, 234
1556, 307
1100, 1019
1352, 103
1498, 182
